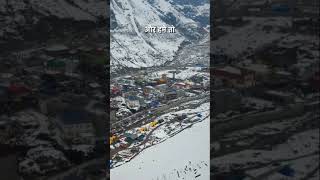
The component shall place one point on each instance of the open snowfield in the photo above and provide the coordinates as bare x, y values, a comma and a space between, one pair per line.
184, 156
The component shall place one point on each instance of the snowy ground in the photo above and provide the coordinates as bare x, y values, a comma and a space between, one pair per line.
250, 37
184, 74
184, 156
299, 145
301, 166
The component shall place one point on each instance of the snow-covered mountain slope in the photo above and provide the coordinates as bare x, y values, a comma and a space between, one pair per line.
131, 47
74, 9
20, 14
196, 10
195, 53
250, 37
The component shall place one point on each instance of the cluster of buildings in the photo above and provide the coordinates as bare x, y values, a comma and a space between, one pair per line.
142, 92
132, 136
283, 75
139, 101
263, 82
124, 146
62, 83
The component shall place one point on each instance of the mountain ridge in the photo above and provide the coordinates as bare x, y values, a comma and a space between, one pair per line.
131, 47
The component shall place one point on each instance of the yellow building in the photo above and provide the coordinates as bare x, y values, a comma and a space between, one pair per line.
163, 79
113, 139
143, 129
153, 123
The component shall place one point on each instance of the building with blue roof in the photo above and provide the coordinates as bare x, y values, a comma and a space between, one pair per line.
77, 125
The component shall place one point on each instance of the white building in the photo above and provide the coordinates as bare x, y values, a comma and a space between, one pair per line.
77, 126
